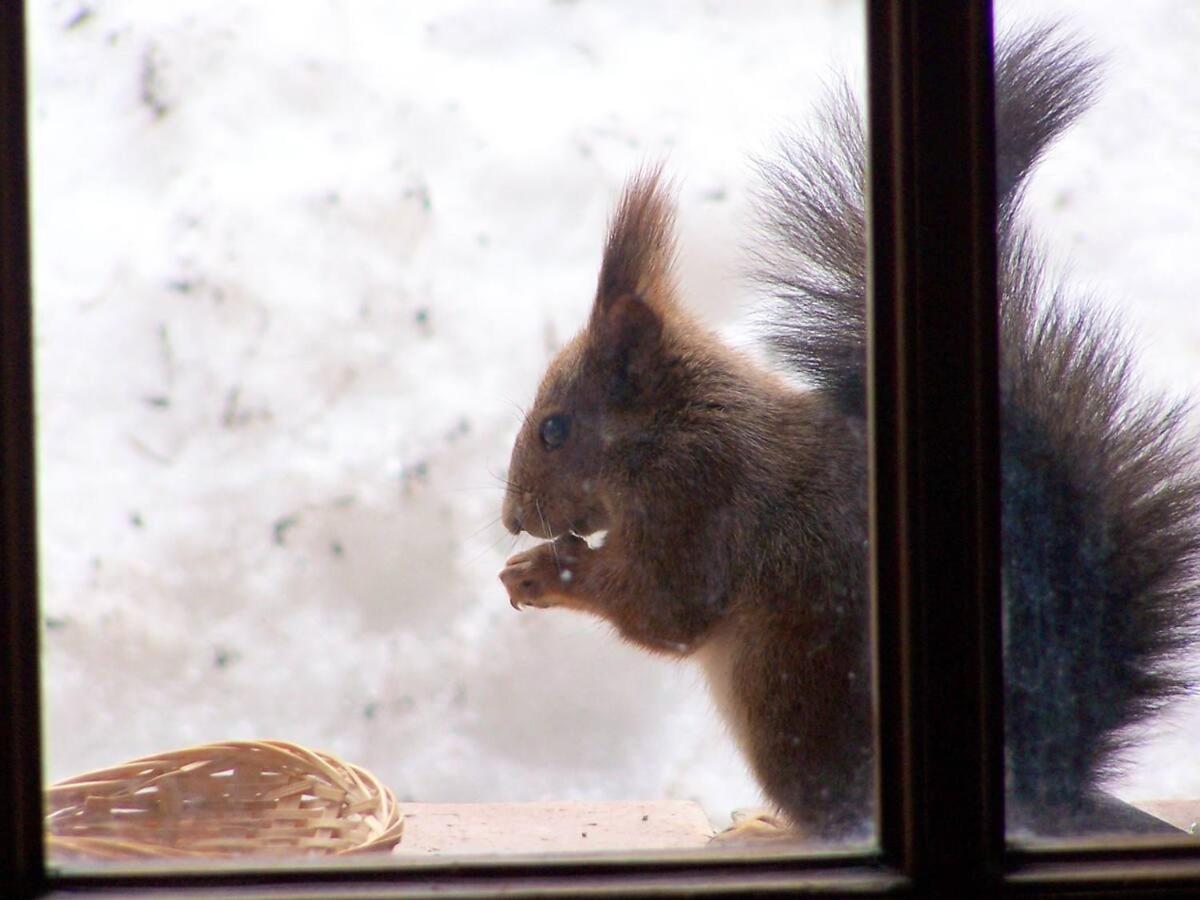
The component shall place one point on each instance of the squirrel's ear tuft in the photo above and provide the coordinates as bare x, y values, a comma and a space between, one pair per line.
640, 253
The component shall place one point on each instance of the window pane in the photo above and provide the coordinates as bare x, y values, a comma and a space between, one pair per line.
297, 279
1099, 338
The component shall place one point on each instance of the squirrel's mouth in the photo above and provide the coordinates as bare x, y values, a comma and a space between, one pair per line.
581, 527
591, 522
544, 523
585, 527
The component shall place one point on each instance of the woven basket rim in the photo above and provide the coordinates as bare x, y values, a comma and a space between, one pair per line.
248, 797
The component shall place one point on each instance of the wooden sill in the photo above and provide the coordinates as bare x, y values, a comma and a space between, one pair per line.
551, 827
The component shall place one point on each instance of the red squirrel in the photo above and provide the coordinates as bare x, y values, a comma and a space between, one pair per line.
735, 503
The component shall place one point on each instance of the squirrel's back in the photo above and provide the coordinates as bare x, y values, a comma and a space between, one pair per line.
1101, 538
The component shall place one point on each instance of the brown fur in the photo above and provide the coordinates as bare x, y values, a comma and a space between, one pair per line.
735, 506
736, 519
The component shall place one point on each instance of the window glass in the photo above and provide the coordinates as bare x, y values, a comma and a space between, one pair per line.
298, 275
1100, 340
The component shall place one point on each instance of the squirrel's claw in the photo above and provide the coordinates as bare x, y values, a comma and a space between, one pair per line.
543, 576
520, 580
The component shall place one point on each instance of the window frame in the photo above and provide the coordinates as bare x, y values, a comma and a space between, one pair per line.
934, 537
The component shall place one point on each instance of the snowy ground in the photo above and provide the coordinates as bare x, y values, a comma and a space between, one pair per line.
298, 265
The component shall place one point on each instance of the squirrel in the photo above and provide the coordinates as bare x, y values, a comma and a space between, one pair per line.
735, 503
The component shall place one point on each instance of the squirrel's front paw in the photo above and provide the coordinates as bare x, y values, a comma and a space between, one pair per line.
546, 575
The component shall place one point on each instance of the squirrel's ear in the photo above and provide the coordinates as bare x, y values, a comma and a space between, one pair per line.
627, 338
640, 252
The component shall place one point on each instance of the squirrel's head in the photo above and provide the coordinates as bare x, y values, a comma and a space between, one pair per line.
596, 409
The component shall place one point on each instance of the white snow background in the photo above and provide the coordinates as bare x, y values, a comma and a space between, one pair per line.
298, 266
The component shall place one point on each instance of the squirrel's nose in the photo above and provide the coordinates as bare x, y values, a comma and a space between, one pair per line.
513, 513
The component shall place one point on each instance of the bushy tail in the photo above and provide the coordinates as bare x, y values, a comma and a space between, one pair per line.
1101, 550
1101, 537
813, 208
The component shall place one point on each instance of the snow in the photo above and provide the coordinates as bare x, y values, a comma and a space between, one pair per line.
297, 269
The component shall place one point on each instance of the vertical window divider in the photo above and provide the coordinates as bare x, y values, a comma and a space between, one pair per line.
934, 411
22, 866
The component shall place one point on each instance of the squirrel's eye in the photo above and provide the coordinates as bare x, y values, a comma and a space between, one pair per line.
554, 431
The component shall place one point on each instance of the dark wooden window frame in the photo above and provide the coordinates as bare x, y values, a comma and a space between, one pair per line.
935, 547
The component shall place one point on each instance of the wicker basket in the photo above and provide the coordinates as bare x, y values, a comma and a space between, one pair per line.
238, 798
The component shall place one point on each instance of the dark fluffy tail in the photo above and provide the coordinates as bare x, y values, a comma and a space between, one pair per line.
1101, 565
814, 213
1101, 550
